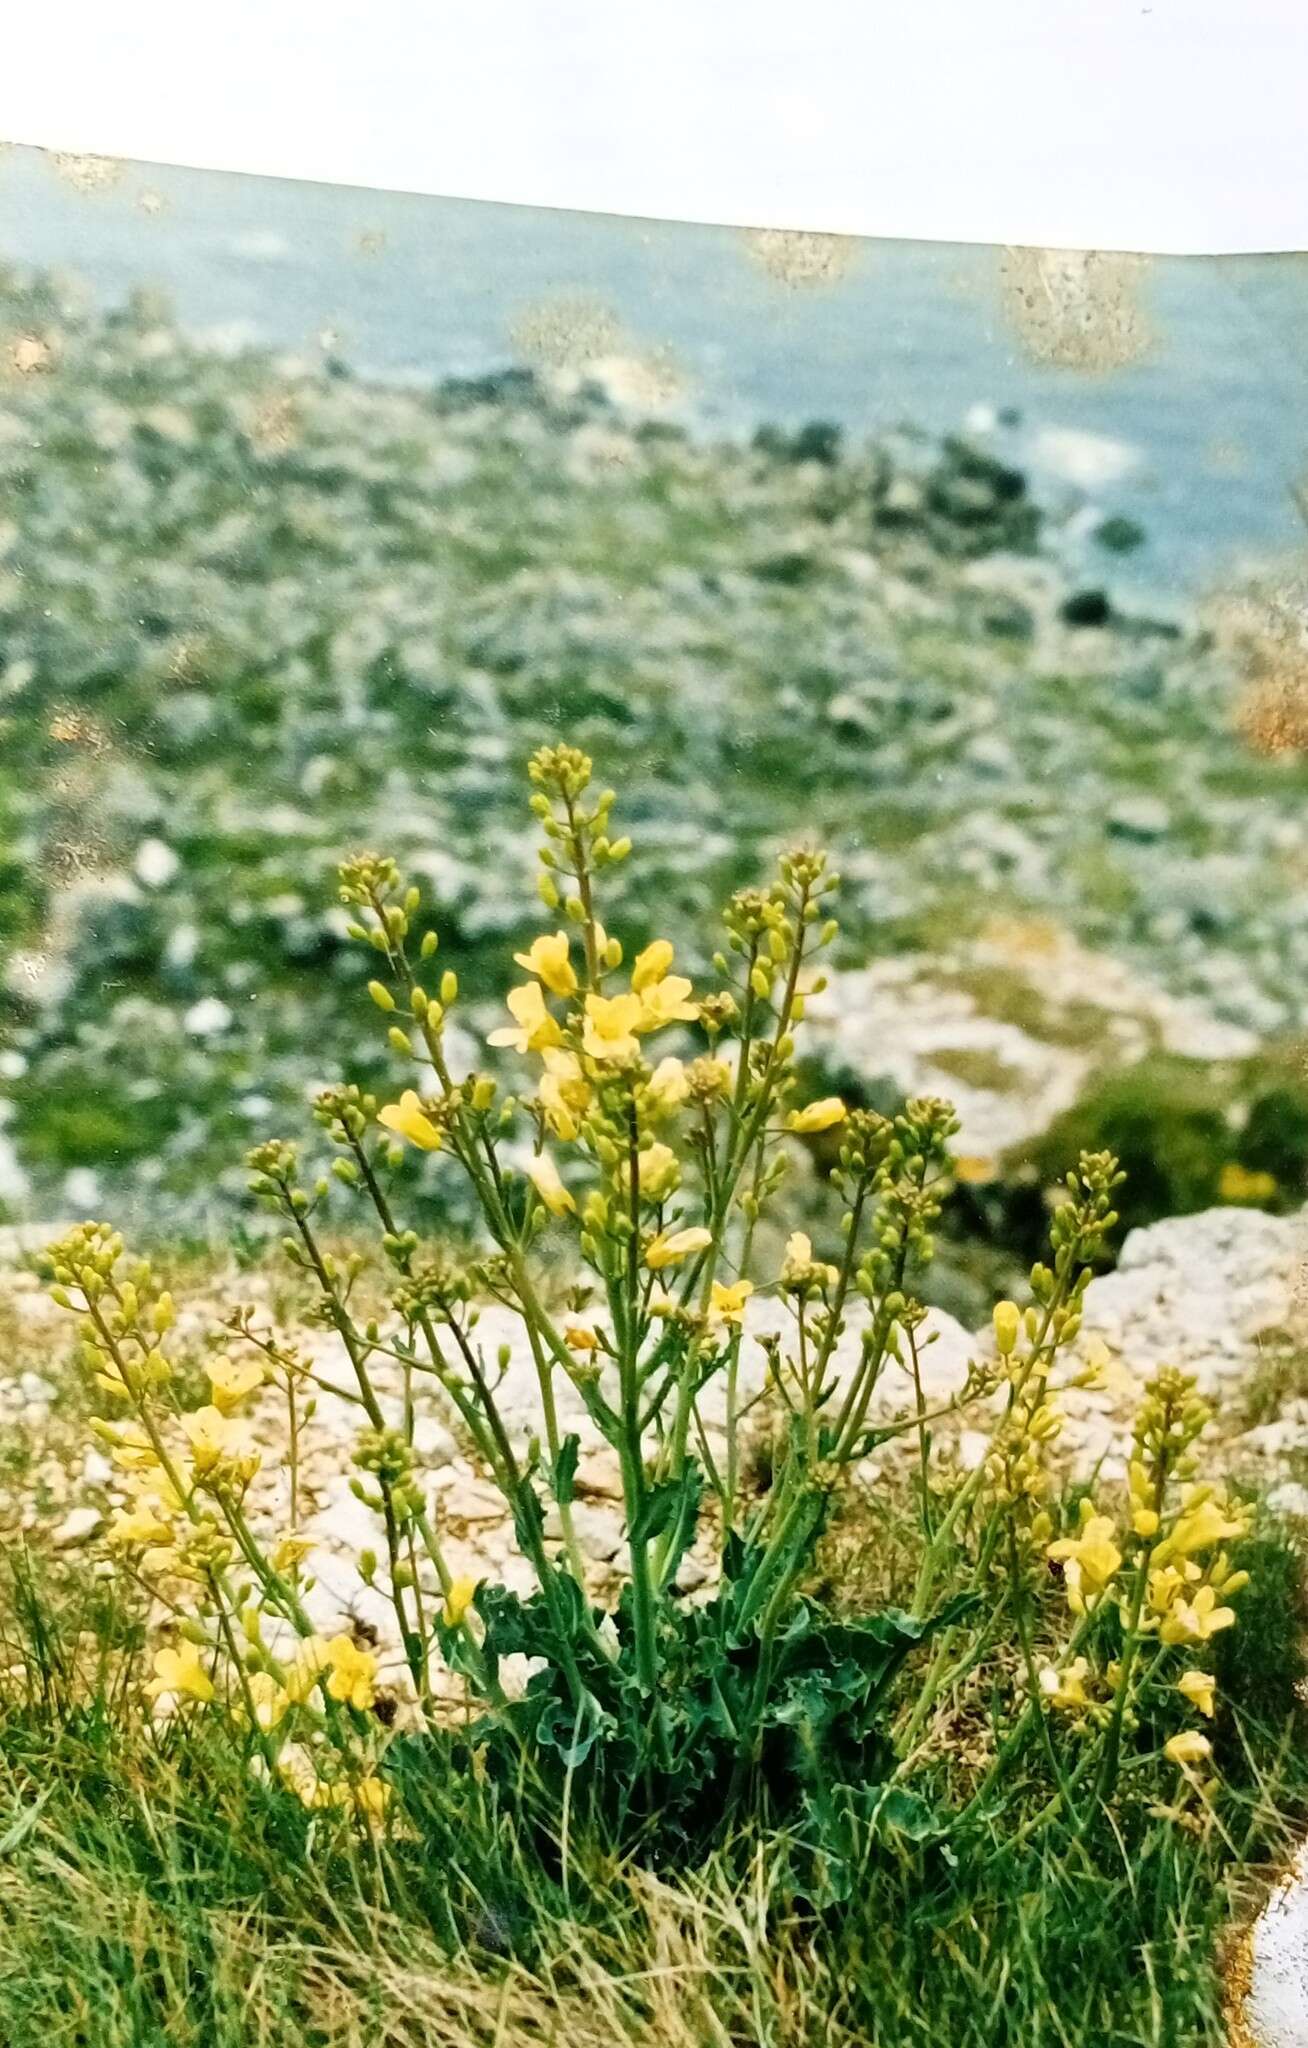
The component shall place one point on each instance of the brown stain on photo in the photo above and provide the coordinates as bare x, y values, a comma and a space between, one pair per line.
28, 355
1076, 309
571, 335
276, 424
567, 331
799, 258
1265, 632
87, 174
77, 729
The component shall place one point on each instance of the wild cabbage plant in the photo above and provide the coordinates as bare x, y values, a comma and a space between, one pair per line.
622, 1157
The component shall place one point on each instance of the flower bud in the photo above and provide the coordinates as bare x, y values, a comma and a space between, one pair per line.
1008, 1322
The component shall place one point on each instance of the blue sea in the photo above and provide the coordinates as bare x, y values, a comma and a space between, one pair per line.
1202, 440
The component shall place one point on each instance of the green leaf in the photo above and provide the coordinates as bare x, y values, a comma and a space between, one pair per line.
673, 1504
900, 1812
572, 1730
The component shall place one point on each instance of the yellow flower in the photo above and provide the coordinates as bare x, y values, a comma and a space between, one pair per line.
1166, 1583
231, 1383
180, 1671
133, 1528
578, 1338
371, 1798
1065, 1690
818, 1116
548, 960
535, 1029
457, 1601
1007, 1319
130, 1446
1237, 1184
220, 1446
564, 1092
658, 1172
1195, 1621
801, 1268
727, 1304
1199, 1688
668, 1086
666, 1002
650, 966
271, 1700
1223, 1580
609, 1032
544, 1177
670, 1250
1189, 1747
353, 1673
1202, 1527
289, 1552
1089, 1560
311, 1659
408, 1119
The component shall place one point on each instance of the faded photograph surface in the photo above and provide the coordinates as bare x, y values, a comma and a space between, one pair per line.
653, 1114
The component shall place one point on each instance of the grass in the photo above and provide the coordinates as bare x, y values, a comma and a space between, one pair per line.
155, 1891
138, 1911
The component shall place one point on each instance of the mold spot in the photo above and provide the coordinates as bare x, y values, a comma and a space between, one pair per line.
1078, 309
76, 729
800, 258
28, 355
567, 332
1265, 632
69, 861
574, 339
88, 174
275, 425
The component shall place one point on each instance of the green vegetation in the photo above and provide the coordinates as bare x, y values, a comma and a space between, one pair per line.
253, 616
966, 1757
154, 1891
1190, 1134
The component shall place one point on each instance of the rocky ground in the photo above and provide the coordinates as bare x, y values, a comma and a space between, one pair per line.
256, 613
1223, 1294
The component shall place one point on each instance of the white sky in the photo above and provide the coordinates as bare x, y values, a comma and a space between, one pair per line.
1164, 124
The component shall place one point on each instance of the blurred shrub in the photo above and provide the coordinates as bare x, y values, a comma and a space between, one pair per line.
1191, 1135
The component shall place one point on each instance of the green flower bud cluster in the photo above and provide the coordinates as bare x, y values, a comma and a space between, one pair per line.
1171, 1417
205, 1550
909, 1200
436, 1288
388, 1457
578, 842
273, 1167
1081, 1225
345, 1113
